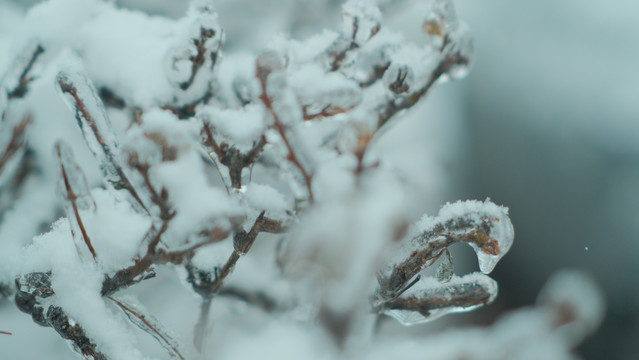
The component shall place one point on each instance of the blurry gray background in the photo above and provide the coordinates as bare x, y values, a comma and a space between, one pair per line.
552, 108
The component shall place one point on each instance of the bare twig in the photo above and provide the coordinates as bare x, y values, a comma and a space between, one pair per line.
85, 118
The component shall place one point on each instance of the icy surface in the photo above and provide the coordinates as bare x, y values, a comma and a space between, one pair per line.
464, 216
431, 291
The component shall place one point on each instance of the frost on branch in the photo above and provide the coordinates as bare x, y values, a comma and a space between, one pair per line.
258, 178
81, 97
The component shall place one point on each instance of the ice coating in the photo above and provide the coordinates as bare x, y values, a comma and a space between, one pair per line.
429, 299
72, 183
81, 97
484, 225
485, 214
140, 317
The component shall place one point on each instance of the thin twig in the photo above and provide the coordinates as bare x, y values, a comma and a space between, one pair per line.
22, 87
391, 108
122, 181
262, 75
16, 142
72, 197
148, 326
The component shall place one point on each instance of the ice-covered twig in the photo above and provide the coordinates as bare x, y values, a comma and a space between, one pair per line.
16, 80
149, 324
21, 83
203, 46
81, 96
31, 298
75, 190
362, 21
154, 255
15, 142
431, 299
142, 268
208, 284
483, 225
452, 46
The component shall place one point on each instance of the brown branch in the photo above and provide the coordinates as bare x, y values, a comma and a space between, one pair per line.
159, 199
229, 156
199, 58
460, 295
6, 333
208, 286
16, 142
391, 108
327, 111
432, 244
263, 74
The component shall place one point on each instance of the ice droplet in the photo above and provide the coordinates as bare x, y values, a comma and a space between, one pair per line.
495, 235
446, 269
